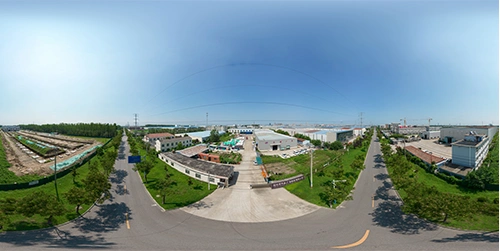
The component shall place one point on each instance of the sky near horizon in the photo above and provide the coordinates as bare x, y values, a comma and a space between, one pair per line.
171, 62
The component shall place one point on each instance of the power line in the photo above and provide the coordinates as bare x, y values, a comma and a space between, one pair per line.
253, 64
247, 102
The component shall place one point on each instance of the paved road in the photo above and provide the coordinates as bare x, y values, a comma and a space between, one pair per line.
106, 226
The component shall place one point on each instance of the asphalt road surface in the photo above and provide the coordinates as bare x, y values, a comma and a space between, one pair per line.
132, 221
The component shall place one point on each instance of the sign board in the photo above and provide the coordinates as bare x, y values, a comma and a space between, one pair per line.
33, 183
134, 159
282, 183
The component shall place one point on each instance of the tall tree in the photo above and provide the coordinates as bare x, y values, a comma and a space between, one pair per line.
144, 167
78, 196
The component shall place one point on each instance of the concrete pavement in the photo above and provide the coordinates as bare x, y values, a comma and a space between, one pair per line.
239, 203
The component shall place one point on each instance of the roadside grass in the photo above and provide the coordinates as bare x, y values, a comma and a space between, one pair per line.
64, 184
181, 194
322, 159
3, 157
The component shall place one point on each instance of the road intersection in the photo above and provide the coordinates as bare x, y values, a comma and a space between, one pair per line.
130, 220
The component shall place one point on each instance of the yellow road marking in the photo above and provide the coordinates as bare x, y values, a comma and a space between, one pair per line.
373, 202
126, 217
125, 187
357, 243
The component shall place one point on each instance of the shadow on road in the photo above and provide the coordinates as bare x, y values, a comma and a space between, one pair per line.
476, 237
54, 238
199, 205
233, 179
109, 217
382, 176
388, 214
120, 190
118, 176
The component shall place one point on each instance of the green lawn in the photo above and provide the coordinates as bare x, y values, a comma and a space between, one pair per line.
301, 165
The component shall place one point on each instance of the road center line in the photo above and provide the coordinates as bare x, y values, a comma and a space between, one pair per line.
126, 220
357, 243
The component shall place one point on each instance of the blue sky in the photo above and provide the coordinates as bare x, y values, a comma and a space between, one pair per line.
249, 61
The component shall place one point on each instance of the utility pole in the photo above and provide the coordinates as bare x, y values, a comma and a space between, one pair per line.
361, 118
312, 168
135, 114
55, 176
206, 125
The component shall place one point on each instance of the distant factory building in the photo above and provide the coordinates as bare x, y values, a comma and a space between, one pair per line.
267, 140
200, 136
205, 171
241, 130
10, 128
470, 151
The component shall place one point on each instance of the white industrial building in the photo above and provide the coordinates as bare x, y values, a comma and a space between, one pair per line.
330, 135
470, 151
453, 134
267, 140
200, 136
430, 135
205, 171
163, 142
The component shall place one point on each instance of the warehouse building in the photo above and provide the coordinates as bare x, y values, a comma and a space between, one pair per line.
471, 151
210, 172
267, 140
331, 135
453, 134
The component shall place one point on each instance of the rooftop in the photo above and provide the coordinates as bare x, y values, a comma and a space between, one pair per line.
467, 143
426, 157
194, 150
202, 166
159, 135
270, 135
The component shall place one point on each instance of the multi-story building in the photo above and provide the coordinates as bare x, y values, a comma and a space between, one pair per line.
164, 142
470, 151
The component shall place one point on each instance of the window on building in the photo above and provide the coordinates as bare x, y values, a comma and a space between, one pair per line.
198, 175
211, 179
186, 171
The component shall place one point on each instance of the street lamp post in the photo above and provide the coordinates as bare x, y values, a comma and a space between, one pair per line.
55, 176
